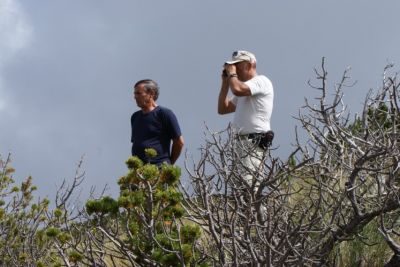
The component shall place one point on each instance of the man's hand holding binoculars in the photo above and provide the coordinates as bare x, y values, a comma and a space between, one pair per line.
229, 70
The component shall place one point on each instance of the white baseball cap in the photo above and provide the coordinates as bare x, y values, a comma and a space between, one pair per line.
241, 55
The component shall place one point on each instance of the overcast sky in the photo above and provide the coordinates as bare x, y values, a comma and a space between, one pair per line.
67, 69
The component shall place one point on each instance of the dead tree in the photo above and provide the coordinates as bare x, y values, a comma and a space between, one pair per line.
355, 161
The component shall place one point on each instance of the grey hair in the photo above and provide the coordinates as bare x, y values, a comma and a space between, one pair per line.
150, 86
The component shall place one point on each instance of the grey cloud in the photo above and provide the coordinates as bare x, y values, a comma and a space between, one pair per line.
70, 85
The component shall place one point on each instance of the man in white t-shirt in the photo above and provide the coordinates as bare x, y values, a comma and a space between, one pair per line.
252, 103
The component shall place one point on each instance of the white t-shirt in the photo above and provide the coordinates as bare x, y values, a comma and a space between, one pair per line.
253, 113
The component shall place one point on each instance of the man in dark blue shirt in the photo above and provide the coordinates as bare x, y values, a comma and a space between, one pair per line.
154, 126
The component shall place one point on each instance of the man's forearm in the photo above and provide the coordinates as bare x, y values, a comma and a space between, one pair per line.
223, 101
239, 88
176, 149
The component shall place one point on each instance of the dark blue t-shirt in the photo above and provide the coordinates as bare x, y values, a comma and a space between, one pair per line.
154, 130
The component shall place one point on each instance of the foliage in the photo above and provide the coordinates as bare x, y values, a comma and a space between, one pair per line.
148, 216
29, 228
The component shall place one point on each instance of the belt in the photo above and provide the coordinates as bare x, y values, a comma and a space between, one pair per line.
252, 136
264, 140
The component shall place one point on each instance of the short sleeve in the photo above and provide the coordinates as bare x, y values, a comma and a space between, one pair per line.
260, 85
171, 123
